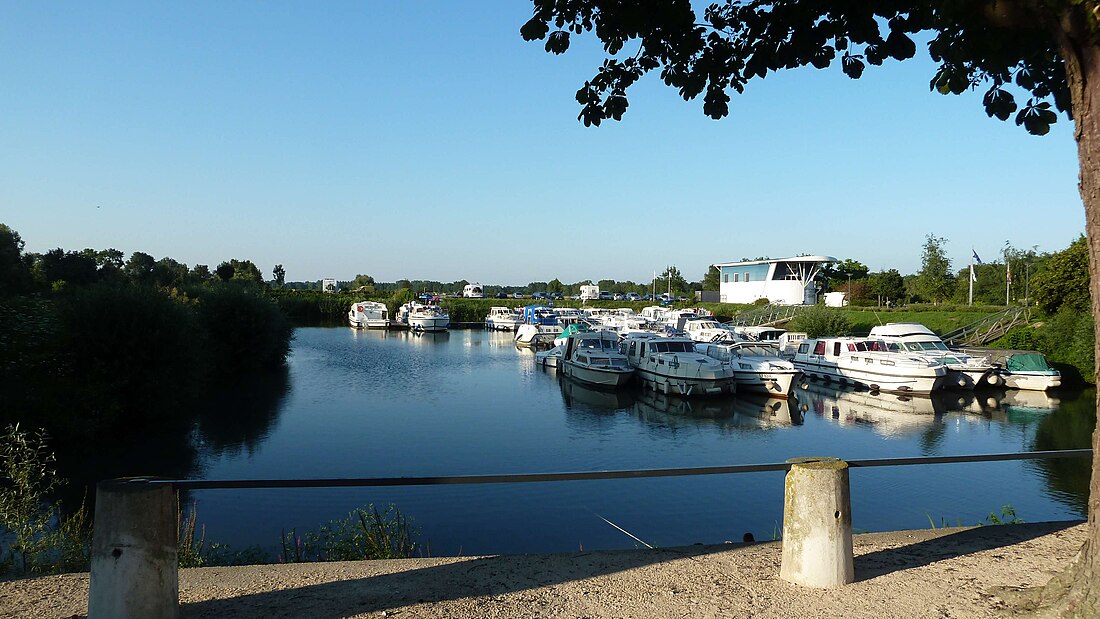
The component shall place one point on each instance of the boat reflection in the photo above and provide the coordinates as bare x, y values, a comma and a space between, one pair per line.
888, 414
577, 395
425, 338
733, 412
997, 403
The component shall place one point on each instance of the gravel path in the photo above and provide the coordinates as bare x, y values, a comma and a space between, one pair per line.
928, 573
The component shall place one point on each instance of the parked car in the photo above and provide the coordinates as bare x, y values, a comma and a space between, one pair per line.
619, 296
606, 295
517, 295
647, 297
539, 295
633, 296
502, 295
555, 296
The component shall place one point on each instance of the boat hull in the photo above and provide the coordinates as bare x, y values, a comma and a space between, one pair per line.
598, 377
878, 381
1030, 382
686, 386
775, 384
429, 323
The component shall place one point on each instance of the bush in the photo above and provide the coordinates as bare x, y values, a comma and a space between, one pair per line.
245, 330
820, 321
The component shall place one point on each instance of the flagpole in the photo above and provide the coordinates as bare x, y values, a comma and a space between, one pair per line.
971, 282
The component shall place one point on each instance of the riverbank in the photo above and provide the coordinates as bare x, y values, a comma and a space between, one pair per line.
924, 573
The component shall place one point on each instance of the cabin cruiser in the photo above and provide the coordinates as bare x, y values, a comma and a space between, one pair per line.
539, 329
672, 365
756, 367
1021, 369
550, 358
502, 319
708, 330
421, 317
868, 363
369, 315
963, 371
593, 358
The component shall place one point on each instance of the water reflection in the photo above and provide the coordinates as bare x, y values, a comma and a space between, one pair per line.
887, 414
241, 417
726, 413
586, 398
1070, 426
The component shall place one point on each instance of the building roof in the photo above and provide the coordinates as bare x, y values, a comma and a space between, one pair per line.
817, 259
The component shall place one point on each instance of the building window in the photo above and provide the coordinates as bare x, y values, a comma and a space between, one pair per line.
736, 276
746, 276
726, 278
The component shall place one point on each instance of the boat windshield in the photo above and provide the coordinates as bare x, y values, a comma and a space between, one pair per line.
658, 346
922, 346
706, 324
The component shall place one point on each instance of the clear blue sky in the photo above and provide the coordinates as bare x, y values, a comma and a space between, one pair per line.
427, 140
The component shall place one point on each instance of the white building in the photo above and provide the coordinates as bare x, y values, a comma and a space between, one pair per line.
784, 281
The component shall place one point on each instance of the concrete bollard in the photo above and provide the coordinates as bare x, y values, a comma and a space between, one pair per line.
817, 524
134, 570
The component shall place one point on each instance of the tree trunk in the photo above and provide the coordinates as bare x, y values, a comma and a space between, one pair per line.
1075, 592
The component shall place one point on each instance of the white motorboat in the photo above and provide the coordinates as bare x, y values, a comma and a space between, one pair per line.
756, 367
593, 357
540, 327
421, 317
708, 330
868, 363
369, 315
963, 371
672, 365
473, 291
768, 335
502, 319
1021, 369
550, 358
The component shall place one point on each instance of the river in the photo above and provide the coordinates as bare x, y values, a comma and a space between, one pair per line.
378, 404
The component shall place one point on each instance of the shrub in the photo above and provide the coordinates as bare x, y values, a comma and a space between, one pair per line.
821, 321
245, 330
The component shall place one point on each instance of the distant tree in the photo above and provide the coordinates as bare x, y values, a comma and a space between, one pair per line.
362, 281
712, 280
246, 271
886, 285
110, 259
15, 276
935, 281
1064, 280
279, 273
168, 273
201, 273
837, 273
225, 271
71, 268
139, 268
671, 277
555, 285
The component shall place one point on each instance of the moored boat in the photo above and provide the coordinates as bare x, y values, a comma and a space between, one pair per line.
756, 367
502, 319
963, 371
1021, 369
672, 365
421, 317
593, 358
539, 329
369, 315
868, 363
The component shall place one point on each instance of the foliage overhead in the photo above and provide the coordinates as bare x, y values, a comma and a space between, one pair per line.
1001, 47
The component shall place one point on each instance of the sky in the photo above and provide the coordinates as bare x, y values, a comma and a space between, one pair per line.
427, 140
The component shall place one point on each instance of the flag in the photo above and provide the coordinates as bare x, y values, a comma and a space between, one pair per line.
976, 258
1008, 271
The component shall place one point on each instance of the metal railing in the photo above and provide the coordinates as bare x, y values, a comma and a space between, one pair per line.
212, 484
987, 329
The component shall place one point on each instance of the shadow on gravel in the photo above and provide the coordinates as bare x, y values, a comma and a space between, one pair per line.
967, 541
489, 576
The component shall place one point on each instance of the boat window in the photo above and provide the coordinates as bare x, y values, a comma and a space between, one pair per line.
641, 350
836, 349
633, 348
941, 346
894, 347
852, 347
819, 349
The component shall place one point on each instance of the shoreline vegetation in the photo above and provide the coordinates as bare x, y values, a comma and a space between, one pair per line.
98, 352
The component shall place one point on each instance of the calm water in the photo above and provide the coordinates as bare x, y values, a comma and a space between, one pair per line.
372, 404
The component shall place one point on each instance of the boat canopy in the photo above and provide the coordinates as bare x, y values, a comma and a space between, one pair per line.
1028, 362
